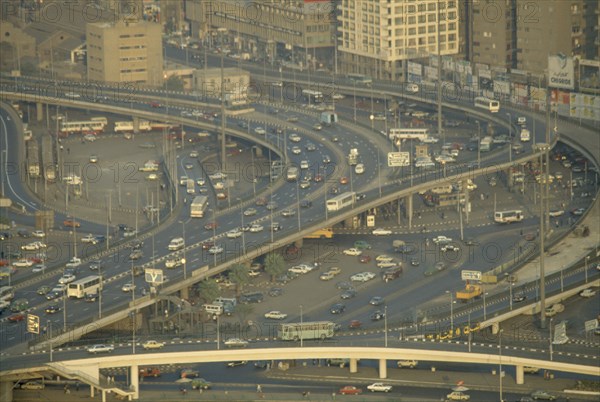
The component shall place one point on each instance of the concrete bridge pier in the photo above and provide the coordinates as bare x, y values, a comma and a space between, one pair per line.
382, 368
136, 124
353, 366
185, 293
134, 374
409, 210
520, 375
6, 391
39, 109
299, 243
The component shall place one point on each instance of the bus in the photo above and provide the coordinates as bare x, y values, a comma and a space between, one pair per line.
341, 201
127, 126
420, 134
508, 216
7, 293
304, 331
486, 144
491, 105
325, 233
525, 135
312, 96
198, 206
190, 187
33, 159
360, 79
86, 286
95, 124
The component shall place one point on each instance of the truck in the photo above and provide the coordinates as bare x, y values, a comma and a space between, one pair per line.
149, 166
486, 144
328, 118
353, 157
469, 292
198, 206
292, 173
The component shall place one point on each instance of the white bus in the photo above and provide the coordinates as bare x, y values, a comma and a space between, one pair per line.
198, 206
420, 134
341, 201
489, 104
190, 186
312, 96
89, 285
525, 135
70, 127
307, 330
360, 79
127, 126
485, 144
508, 216
7, 293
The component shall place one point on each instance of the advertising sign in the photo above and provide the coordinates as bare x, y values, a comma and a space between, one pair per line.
154, 276
561, 72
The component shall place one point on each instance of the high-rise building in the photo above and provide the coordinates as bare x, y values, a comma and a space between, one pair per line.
494, 32
125, 52
376, 37
297, 31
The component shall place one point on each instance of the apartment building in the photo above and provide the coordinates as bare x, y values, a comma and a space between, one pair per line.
295, 31
494, 32
377, 37
126, 51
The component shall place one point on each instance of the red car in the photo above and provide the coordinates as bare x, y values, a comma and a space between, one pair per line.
16, 317
210, 226
207, 244
261, 201
364, 258
343, 180
354, 324
155, 104
350, 390
71, 223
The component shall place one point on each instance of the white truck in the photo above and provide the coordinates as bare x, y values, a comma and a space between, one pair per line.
353, 157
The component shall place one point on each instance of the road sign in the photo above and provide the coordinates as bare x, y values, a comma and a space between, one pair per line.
370, 221
591, 325
33, 324
560, 334
154, 276
396, 159
467, 275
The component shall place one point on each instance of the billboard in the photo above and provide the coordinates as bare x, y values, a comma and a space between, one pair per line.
561, 72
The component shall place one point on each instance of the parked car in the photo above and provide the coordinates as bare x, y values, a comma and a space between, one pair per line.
32, 385
544, 395
276, 315
352, 252
350, 390
153, 345
379, 387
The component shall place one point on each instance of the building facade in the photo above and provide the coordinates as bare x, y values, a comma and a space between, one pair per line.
236, 82
377, 37
125, 52
494, 32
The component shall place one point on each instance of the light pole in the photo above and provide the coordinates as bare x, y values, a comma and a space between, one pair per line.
298, 205
451, 311
184, 246
65, 309
586, 268
354, 93
100, 291
243, 233
500, 361
372, 118
550, 336
385, 325
218, 333
510, 296
469, 331
509, 136
301, 325
478, 144
484, 309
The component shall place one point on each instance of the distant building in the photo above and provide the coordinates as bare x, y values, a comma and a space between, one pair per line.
236, 82
126, 51
494, 33
15, 43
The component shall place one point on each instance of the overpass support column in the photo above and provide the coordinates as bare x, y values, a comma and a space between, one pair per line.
353, 366
520, 377
299, 243
6, 391
136, 125
39, 109
92, 391
103, 396
409, 210
134, 374
185, 293
382, 368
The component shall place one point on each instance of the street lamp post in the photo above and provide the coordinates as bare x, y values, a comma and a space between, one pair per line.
478, 144
510, 296
184, 246
509, 136
100, 292
500, 361
65, 309
385, 326
301, 325
372, 118
243, 233
586, 268
354, 93
484, 307
298, 205
451, 311
550, 336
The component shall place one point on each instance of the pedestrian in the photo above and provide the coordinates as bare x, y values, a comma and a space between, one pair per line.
67, 390
258, 389
77, 386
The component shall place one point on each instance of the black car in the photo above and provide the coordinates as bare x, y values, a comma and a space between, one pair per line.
136, 245
5, 236
360, 196
337, 308
52, 309
306, 204
519, 298
261, 364
23, 233
377, 315
95, 265
348, 294
136, 255
252, 298
274, 292
91, 297
237, 363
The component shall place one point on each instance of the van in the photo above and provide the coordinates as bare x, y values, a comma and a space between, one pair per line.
256, 297
176, 244
392, 273
214, 309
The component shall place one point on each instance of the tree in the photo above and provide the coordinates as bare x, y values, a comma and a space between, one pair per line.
242, 311
173, 83
274, 265
209, 290
238, 274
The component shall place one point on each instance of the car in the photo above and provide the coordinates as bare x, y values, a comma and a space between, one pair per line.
326, 159
362, 277
237, 363
91, 297
23, 263
288, 212
271, 205
387, 264
189, 372
350, 390
96, 265
52, 309
43, 290
352, 251
326, 276
200, 182
449, 247
216, 249
344, 285
383, 257
377, 301
38, 233
335, 270
153, 345
587, 293
381, 232
128, 287
100, 348
71, 223
256, 297
235, 343
276, 315
67, 278
136, 255
306, 203
74, 262
234, 234
344, 180
54, 294
17, 317
348, 294
90, 238
415, 262
458, 396
211, 226
39, 268
310, 147
256, 228
337, 308
32, 385
519, 298
362, 245
544, 395
296, 150
174, 262
379, 387
377, 315
34, 246
201, 383
275, 292
441, 240
531, 370
304, 184
295, 137
250, 212
301, 269
354, 324
364, 258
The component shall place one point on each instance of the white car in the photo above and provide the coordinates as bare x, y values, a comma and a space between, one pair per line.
352, 251
301, 269
100, 348
260, 131
217, 176
296, 150
235, 343
256, 228
153, 345
587, 293
441, 240
250, 212
276, 315
88, 239
449, 247
34, 246
128, 287
387, 264
67, 278
152, 176
381, 232
74, 262
23, 263
194, 154
362, 277
173, 262
379, 387
215, 250
295, 137
383, 258
458, 396
38, 234
234, 234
